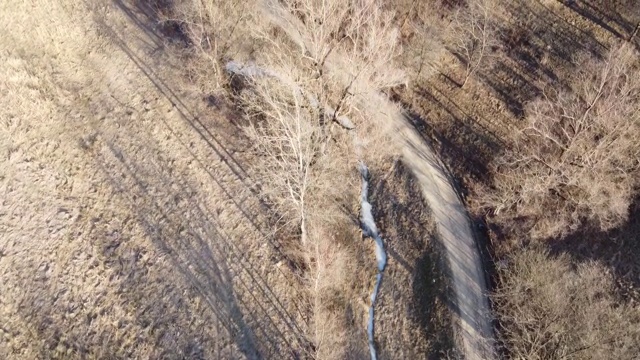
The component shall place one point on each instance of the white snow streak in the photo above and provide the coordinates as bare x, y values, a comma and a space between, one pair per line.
370, 229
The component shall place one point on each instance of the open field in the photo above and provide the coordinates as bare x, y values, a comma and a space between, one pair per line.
129, 229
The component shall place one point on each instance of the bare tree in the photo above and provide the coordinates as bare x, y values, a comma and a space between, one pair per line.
349, 46
286, 135
473, 35
310, 78
577, 160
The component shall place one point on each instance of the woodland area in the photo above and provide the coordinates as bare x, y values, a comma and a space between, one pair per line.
180, 178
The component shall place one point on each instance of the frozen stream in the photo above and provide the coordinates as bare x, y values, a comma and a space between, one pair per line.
370, 229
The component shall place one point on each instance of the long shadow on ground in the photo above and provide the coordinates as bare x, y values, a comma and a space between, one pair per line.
416, 272
183, 229
229, 279
618, 248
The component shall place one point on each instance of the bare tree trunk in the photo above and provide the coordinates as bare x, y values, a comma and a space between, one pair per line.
303, 229
635, 32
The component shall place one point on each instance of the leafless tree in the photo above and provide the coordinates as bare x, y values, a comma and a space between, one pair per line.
350, 46
578, 158
474, 36
286, 135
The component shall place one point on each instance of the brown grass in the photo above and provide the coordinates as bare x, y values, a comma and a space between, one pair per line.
415, 255
575, 153
128, 230
132, 217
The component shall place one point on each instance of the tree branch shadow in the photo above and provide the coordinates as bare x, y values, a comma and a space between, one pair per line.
618, 248
208, 258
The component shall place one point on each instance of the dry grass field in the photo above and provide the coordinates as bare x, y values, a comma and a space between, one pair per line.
129, 229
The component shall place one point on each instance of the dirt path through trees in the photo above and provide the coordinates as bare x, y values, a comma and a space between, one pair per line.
470, 304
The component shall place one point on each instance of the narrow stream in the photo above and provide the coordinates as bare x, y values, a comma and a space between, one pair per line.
371, 230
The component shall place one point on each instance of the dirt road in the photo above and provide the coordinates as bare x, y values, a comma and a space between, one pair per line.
471, 306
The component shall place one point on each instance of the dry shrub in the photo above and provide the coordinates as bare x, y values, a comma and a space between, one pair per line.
329, 300
550, 309
318, 62
576, 160
219, 30
348, 51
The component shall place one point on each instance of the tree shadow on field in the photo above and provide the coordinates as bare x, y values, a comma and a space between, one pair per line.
540, 48
144, 15
618, 248
154, 17
227, 263
191, 236
620, 18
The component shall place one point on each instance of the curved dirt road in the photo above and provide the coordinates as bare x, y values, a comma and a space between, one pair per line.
471, 307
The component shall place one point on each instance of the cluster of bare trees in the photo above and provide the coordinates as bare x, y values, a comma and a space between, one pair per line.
577, 159
549, 309
327, 54
309, 124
